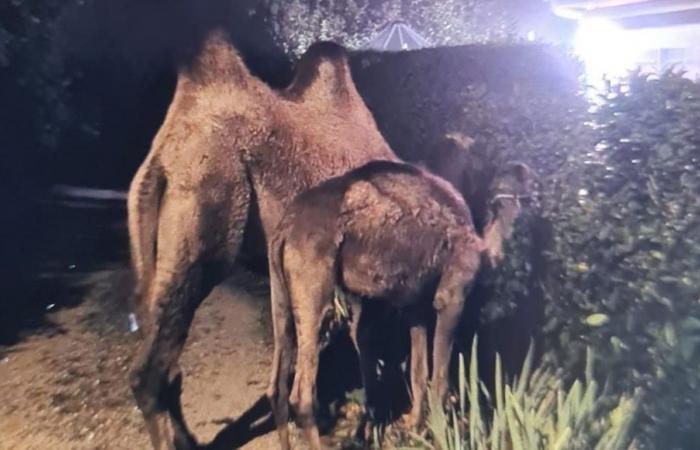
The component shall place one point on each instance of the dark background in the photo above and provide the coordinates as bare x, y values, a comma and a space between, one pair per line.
85, 86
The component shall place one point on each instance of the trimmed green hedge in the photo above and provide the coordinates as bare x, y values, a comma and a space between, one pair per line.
610, 255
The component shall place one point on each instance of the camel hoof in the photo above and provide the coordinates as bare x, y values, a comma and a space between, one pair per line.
185, 441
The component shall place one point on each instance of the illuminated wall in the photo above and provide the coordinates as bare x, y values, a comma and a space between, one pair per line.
614, 36
610, 50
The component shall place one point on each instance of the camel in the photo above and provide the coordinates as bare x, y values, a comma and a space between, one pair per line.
231, 152
387, 231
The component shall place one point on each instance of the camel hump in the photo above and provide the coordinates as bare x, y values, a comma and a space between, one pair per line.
323, 76
326, 49
216, 60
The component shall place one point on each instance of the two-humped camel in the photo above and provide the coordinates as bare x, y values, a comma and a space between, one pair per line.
229, 145
387, 231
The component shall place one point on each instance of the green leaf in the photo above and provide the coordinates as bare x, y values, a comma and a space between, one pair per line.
597, 320
670, 334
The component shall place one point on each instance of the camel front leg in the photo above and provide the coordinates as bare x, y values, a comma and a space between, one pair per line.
455, 284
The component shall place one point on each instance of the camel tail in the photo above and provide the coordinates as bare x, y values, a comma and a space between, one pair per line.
283, 325
143, 205
282, 303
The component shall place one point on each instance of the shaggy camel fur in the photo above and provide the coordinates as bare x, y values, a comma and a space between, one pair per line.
229, 148
388, 231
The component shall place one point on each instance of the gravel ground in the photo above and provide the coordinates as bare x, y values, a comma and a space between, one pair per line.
64, 387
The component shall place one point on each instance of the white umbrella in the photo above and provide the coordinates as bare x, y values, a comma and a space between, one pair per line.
396, 36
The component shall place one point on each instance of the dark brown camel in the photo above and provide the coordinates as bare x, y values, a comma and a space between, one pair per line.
229, 147
387, 231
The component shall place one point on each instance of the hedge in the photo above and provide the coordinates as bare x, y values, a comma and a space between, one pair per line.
609, 256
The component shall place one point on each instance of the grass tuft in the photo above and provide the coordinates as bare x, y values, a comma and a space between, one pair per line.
534, 412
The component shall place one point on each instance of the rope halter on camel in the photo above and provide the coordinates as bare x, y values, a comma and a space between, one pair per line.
515, 197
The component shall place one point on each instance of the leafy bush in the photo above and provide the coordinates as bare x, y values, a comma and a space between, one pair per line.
534, 412
619, 251
627, 246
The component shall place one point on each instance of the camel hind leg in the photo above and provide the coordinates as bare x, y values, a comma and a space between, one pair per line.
156, 378
418, 371
311, 284
362, 337
180, 282
283, 330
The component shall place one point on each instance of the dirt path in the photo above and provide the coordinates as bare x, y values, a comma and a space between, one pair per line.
66, 388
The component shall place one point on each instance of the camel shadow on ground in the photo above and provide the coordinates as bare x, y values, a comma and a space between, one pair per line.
339, 375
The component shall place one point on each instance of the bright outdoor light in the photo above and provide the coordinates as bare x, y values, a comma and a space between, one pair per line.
605, 48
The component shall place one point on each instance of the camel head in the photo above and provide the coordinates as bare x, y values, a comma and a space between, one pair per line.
510, 190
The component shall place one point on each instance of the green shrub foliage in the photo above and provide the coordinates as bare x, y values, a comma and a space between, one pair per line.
627, 249
619, 250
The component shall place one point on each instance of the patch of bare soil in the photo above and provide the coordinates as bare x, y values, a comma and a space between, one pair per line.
66, 387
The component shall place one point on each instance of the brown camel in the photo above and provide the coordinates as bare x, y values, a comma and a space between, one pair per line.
387, 231
453, 161
230, 148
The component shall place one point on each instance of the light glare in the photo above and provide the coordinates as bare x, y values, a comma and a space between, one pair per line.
606, 49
